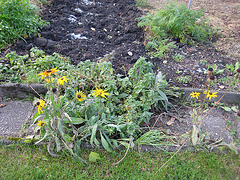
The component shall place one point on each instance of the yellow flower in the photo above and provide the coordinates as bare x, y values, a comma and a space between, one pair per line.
100, 92
40, 105
80, 96
49, 80
195, 95
62, 80
48, 72
211, 95
41, 123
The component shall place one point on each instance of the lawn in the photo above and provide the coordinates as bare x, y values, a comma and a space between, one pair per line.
33, 162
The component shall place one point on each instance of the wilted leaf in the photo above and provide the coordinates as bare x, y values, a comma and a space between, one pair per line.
221, 87
194, 135
171, 121
93, 157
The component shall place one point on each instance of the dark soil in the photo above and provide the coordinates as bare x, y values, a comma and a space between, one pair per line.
83, 30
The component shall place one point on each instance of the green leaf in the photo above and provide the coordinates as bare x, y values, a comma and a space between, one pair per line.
226, 108
105, 143
60, 128
93, 157
57, 143
53, 101
94, 131
235, 108
123, 95
73, 120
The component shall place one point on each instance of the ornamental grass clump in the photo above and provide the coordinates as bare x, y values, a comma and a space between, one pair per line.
91, 104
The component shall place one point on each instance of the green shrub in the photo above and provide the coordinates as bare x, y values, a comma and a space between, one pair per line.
175, 22
18, 19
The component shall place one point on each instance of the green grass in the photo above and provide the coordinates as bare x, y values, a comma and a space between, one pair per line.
31, 162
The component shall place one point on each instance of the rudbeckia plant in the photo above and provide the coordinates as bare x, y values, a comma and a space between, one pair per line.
201, 111
91, 104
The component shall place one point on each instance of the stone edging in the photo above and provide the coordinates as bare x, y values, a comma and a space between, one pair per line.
229, 97
21, 91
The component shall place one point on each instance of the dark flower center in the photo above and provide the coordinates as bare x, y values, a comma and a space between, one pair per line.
48, 71
79, 96
210, 93
38, 103
54, 90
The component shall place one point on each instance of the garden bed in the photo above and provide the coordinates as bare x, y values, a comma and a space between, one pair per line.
83, 30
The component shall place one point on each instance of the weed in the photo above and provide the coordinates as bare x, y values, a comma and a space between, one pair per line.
175, 22
177, 57
184, 79
142, 3
203, 62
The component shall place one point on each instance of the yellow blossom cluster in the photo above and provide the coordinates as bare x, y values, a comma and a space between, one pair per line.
209, 94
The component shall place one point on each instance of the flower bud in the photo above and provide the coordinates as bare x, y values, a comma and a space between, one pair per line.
212, 77
210, 72
238, 114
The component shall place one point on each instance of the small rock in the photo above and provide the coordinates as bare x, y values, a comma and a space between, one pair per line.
130, 53
41, 42
51, 44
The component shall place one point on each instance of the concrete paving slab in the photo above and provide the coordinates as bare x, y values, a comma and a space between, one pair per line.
13, 115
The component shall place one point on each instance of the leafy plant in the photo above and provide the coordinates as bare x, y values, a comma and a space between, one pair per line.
142, 3
184, 79
89, 103
29, 65
18, 19
177, 57
175, 22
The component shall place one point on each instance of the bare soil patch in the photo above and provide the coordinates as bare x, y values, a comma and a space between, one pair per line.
85, 30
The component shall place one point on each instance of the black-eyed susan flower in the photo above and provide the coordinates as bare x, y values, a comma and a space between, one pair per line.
48, 72
100, 92
195, 95
41, 123
62, 80
211, 95
40, 105
80, 96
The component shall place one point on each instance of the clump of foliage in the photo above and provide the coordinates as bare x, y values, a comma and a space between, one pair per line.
175, 23
89, 103
31, 63
142, 3
18, 19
